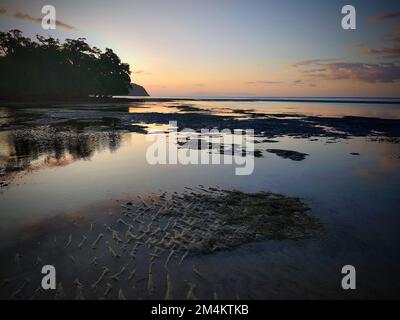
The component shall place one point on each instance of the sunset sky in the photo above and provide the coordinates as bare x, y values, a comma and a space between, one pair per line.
234, 47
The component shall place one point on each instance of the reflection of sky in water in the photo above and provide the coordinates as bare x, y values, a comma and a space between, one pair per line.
356, 196
389, 111
343, 185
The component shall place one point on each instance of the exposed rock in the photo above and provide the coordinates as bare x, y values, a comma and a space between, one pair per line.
288, 154
137, 90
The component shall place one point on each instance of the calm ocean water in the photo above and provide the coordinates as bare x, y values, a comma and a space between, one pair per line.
356, 197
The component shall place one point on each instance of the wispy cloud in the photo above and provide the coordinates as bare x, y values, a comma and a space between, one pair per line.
141, 72
303, 82
392, 52
386, 16
28, 17
358, 71
395, 36
309, 62
24, 16
297, 82
263, 82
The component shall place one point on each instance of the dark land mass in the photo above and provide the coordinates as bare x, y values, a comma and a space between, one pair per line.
46, 69
137, 90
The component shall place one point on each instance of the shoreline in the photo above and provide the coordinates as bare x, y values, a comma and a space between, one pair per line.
119, 99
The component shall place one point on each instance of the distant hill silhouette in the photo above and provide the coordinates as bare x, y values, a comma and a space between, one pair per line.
137, 90
46, 69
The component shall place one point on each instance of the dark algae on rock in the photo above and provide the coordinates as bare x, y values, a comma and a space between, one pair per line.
232, 218
249, 217
288, 154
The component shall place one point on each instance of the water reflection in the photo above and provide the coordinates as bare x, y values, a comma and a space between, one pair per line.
360, 213
40, 147
224, 108
387, 165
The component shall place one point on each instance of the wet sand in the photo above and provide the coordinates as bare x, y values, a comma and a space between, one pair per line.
144, 246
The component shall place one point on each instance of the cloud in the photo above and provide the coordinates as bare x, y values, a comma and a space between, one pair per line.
297, 82
392, 52
303, 82
395, 36
368, 72
309, 62
358, 71
263, 82
336, 69
28, 17
313, 70
389, 52
142, 72
24, 16
386, 16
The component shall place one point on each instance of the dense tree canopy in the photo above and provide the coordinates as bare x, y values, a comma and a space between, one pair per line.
49, 69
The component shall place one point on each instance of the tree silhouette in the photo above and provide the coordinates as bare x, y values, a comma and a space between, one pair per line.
48, 69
